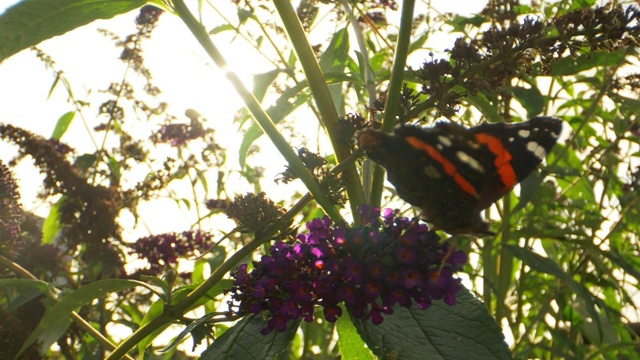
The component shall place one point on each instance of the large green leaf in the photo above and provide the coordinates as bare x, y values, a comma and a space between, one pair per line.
463, 331
244, 341
32, 21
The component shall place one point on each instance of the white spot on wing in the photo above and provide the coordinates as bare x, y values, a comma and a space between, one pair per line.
473, 163
444, 140
524, 133
536, 150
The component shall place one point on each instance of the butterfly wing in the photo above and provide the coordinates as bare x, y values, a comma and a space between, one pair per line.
514, 151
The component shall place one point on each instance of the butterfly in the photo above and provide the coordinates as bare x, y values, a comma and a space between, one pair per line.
452, 172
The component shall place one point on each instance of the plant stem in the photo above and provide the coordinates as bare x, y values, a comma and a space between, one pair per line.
395, 87
322, 96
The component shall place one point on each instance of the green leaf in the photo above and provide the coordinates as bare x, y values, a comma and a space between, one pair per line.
261, 83
571, 66
115, 169
58, 317
15, 296
63, 124
56, 80
351, 344
416, 44
488, 110
337, 53
531, 99
160, 287
202, 177
181, 292
156, 309
36, 284
244, 341
30, 22
221, 28
463, 331
84, 162
459, 23
336, 59
194, 324
51, 226
243, 15
286, 103
528, 188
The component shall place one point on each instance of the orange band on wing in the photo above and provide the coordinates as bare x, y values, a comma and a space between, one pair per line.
502, 161
447, 165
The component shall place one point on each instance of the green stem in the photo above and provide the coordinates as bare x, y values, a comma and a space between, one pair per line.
395, 88
322, 96
369, 76
504, 276
261, 117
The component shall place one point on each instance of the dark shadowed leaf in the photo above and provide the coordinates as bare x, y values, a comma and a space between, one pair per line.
463, 331
570, 65
51, 225
244, 341
531, 99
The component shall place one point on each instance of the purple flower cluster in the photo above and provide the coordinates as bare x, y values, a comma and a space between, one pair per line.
165, 249
180, 134
11, 214
385, 262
